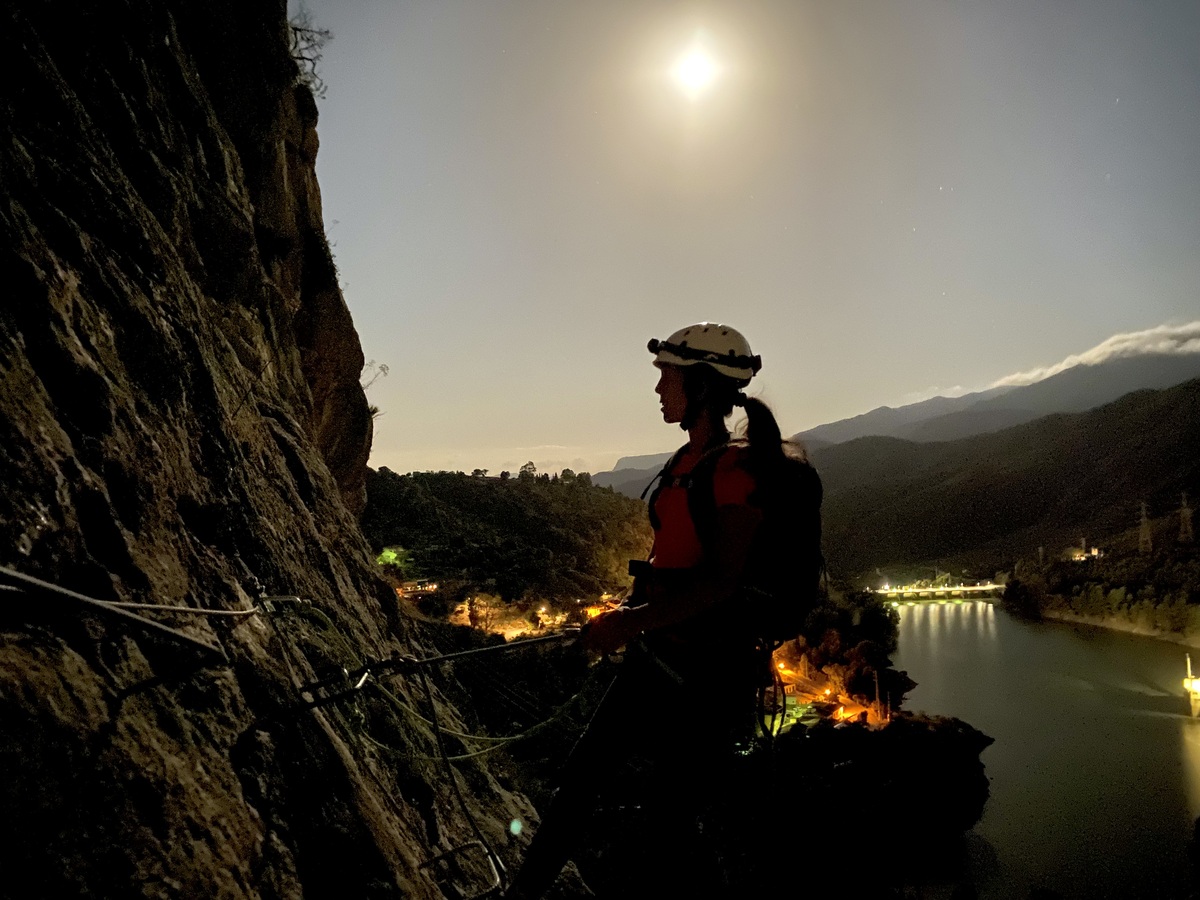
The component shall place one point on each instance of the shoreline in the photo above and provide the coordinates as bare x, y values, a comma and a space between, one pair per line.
1112, 623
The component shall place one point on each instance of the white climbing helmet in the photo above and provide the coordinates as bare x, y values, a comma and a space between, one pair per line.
722, 348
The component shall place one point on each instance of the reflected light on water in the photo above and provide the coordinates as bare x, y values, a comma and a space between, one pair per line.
1094, 775
1189, 736
926, 622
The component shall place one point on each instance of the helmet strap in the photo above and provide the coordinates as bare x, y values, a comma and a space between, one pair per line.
701, 389
695, 389
699, 415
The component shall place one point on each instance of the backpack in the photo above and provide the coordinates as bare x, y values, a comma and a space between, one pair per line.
782, 579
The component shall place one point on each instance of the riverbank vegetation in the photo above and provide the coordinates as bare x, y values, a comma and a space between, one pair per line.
1153, 592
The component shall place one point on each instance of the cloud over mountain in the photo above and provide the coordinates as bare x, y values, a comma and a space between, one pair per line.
1167, 339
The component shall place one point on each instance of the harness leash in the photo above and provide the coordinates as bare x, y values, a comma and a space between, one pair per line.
350, 681
27, 584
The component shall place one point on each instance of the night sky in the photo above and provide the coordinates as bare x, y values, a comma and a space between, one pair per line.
891, 200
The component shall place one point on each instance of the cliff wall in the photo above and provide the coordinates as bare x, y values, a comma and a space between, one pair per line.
181, 424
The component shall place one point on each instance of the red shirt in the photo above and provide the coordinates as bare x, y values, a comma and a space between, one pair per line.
676, 543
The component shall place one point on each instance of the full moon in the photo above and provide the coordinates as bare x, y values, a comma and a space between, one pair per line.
695, 72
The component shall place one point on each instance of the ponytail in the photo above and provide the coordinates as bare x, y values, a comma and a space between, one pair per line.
707, 389
762, 433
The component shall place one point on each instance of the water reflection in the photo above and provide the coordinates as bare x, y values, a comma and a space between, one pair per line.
1189, 738
1095, 773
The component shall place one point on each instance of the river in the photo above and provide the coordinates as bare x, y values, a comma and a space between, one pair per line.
1095, 772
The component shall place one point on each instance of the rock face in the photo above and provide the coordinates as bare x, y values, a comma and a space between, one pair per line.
182, 424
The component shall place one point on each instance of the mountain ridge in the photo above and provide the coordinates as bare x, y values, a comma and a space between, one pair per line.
1003, 494
1077, 389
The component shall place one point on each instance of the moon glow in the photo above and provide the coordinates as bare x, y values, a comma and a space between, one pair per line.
695, 72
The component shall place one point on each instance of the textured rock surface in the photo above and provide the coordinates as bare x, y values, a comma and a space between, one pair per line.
182, 421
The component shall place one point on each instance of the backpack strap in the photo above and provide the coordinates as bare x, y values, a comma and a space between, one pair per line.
700, 476
664, 480
702, 495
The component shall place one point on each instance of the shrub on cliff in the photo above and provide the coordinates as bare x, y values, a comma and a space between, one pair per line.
850, 637
306, 43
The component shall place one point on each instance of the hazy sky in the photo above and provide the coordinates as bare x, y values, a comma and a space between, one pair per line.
891, 199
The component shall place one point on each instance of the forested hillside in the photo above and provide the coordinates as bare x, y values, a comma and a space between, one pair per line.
996, 497
560, 538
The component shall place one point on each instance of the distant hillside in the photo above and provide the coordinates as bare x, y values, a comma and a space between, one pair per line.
887, 420
527, 536
1074, 390
629, 482
648, 461
997, 495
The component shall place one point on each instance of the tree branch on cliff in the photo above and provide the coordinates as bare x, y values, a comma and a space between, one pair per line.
306, 43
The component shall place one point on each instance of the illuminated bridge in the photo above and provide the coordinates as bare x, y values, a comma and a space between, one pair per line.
925, 594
